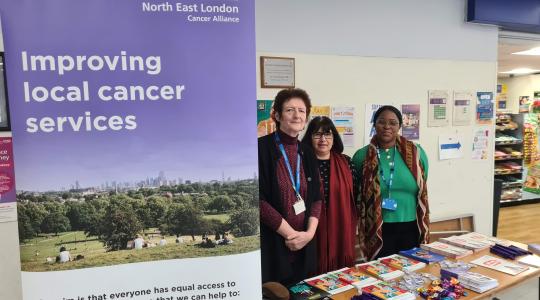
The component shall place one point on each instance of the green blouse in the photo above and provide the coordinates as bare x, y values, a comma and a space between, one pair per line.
404, 188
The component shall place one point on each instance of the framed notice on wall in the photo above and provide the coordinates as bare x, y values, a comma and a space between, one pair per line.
277, 72
4, 112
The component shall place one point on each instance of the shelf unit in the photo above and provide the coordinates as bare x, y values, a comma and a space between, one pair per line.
509, 156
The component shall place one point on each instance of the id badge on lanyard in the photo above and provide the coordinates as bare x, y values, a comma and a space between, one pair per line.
388, 203
300, 205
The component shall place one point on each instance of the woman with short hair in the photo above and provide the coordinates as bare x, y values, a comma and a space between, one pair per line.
289, 192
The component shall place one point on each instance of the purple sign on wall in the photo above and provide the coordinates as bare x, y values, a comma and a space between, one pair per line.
137, 113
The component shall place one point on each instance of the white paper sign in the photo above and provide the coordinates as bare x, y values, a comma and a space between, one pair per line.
463, 113
450, 147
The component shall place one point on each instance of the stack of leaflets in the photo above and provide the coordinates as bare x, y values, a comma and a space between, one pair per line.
530, 260
422, 255
475, 236
534, 248
303, 291
355, 277
385, 291
446, 250
380, 270
329, 283
402, 263
500, 265
463, 242
472, 281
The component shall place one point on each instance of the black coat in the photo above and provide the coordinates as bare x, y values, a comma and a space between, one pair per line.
274, 254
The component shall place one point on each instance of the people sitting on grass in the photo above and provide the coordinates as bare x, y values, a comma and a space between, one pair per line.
163, 241
64, 255
138, 242
225, 240
207, 243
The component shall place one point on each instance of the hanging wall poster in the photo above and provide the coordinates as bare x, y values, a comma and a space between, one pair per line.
8, 204
463, 114
135, 149
265, 124
524, 104
411, 121
437, 108
343, 118
319, 111
369, 126
480, 143
484, 108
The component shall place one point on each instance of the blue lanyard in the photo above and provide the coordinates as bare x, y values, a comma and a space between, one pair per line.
296, 186
392, 169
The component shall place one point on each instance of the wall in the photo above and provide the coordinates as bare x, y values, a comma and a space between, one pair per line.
520, 86
361, 52
356, 52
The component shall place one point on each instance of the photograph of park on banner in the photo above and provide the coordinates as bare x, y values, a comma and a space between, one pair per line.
159, 219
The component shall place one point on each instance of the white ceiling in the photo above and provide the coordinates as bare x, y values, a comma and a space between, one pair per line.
510, 42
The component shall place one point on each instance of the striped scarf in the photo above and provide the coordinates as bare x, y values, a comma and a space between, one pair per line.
370, 218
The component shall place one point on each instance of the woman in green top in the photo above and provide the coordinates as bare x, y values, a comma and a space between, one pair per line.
394, 212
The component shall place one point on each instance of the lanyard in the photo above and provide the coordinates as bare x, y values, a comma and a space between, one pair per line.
295, 185
387, 182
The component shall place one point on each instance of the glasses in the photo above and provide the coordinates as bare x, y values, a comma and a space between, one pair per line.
391, 123
320, 135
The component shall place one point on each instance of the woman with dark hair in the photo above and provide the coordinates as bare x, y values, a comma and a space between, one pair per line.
289, 192
394, 211
337, 224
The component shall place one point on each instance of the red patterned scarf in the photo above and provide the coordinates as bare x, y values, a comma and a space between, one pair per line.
337, 224
370, 225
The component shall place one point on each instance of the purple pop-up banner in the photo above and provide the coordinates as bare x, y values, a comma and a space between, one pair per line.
130, 117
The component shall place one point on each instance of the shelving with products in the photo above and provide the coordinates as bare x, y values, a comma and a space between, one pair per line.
509, 155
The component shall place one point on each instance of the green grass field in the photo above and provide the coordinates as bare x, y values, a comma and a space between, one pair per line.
34, 252
221, 217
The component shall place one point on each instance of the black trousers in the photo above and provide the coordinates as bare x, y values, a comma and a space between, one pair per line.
399, 236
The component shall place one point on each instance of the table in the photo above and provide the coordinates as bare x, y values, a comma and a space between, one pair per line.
506, 281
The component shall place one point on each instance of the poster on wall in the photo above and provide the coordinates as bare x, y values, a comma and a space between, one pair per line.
411, 121
319, 111
524, 104
8, 204
134, 147
369, 126
463, 112
480, 145
343, 118
437, 108
484, 108
265, 124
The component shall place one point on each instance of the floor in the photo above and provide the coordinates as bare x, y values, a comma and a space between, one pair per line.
521, 223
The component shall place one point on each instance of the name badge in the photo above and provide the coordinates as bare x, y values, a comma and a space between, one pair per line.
299, 206
389, 203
